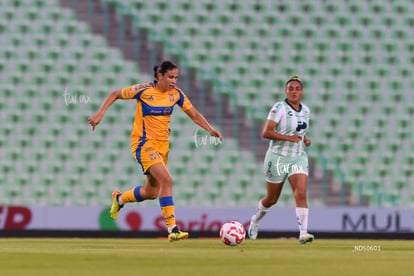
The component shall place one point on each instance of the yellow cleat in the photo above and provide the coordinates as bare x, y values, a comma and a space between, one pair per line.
177, 235
115, 204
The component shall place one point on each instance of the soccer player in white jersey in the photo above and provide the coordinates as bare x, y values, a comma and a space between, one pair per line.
286, 158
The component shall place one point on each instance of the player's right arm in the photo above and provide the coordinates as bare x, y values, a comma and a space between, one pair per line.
109, 100
127, 93
270, 133
269, 130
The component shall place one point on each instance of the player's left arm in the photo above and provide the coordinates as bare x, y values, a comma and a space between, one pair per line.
200, 120
307, 141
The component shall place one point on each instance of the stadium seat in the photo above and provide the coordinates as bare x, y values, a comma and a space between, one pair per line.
349, 79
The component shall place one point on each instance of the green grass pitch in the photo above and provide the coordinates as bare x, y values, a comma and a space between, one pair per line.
129, 256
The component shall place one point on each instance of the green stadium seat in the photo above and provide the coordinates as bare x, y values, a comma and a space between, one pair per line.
348, 64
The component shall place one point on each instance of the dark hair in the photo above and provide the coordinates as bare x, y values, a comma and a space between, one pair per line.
295, 78
163, 67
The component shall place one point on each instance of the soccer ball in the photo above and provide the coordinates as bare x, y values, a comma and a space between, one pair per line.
232, 233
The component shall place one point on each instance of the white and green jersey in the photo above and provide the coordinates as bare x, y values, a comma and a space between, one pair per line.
289, 122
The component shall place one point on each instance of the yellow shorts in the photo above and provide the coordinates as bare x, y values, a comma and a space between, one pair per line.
150, 152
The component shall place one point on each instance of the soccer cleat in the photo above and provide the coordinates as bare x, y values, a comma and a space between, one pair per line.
305, 238
253, 230
177, 235
115, 204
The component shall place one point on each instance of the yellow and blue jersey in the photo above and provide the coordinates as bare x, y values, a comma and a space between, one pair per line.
153, 111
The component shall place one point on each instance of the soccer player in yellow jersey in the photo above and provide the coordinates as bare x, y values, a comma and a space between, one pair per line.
150, 139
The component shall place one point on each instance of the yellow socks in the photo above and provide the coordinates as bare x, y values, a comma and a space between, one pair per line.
168, 210
132, 195
166, 204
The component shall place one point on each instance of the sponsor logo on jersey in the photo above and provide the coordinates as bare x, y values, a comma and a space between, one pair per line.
301, 125
171, 96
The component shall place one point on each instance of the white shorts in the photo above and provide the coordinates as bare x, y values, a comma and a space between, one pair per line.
277, 168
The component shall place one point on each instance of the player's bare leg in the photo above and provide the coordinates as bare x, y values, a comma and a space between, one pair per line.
272, 196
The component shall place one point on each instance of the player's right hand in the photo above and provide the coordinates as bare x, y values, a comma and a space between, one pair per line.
94, 120
295, 138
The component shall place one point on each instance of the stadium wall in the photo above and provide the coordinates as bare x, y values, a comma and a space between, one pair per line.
358, 223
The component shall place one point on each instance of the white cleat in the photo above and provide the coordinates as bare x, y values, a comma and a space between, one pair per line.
253, 230
305, 238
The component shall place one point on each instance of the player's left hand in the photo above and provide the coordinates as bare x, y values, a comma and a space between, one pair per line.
307, 141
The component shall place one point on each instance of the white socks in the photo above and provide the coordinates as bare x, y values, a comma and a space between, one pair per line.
120, 201
261, 211
169, 229
302, 215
